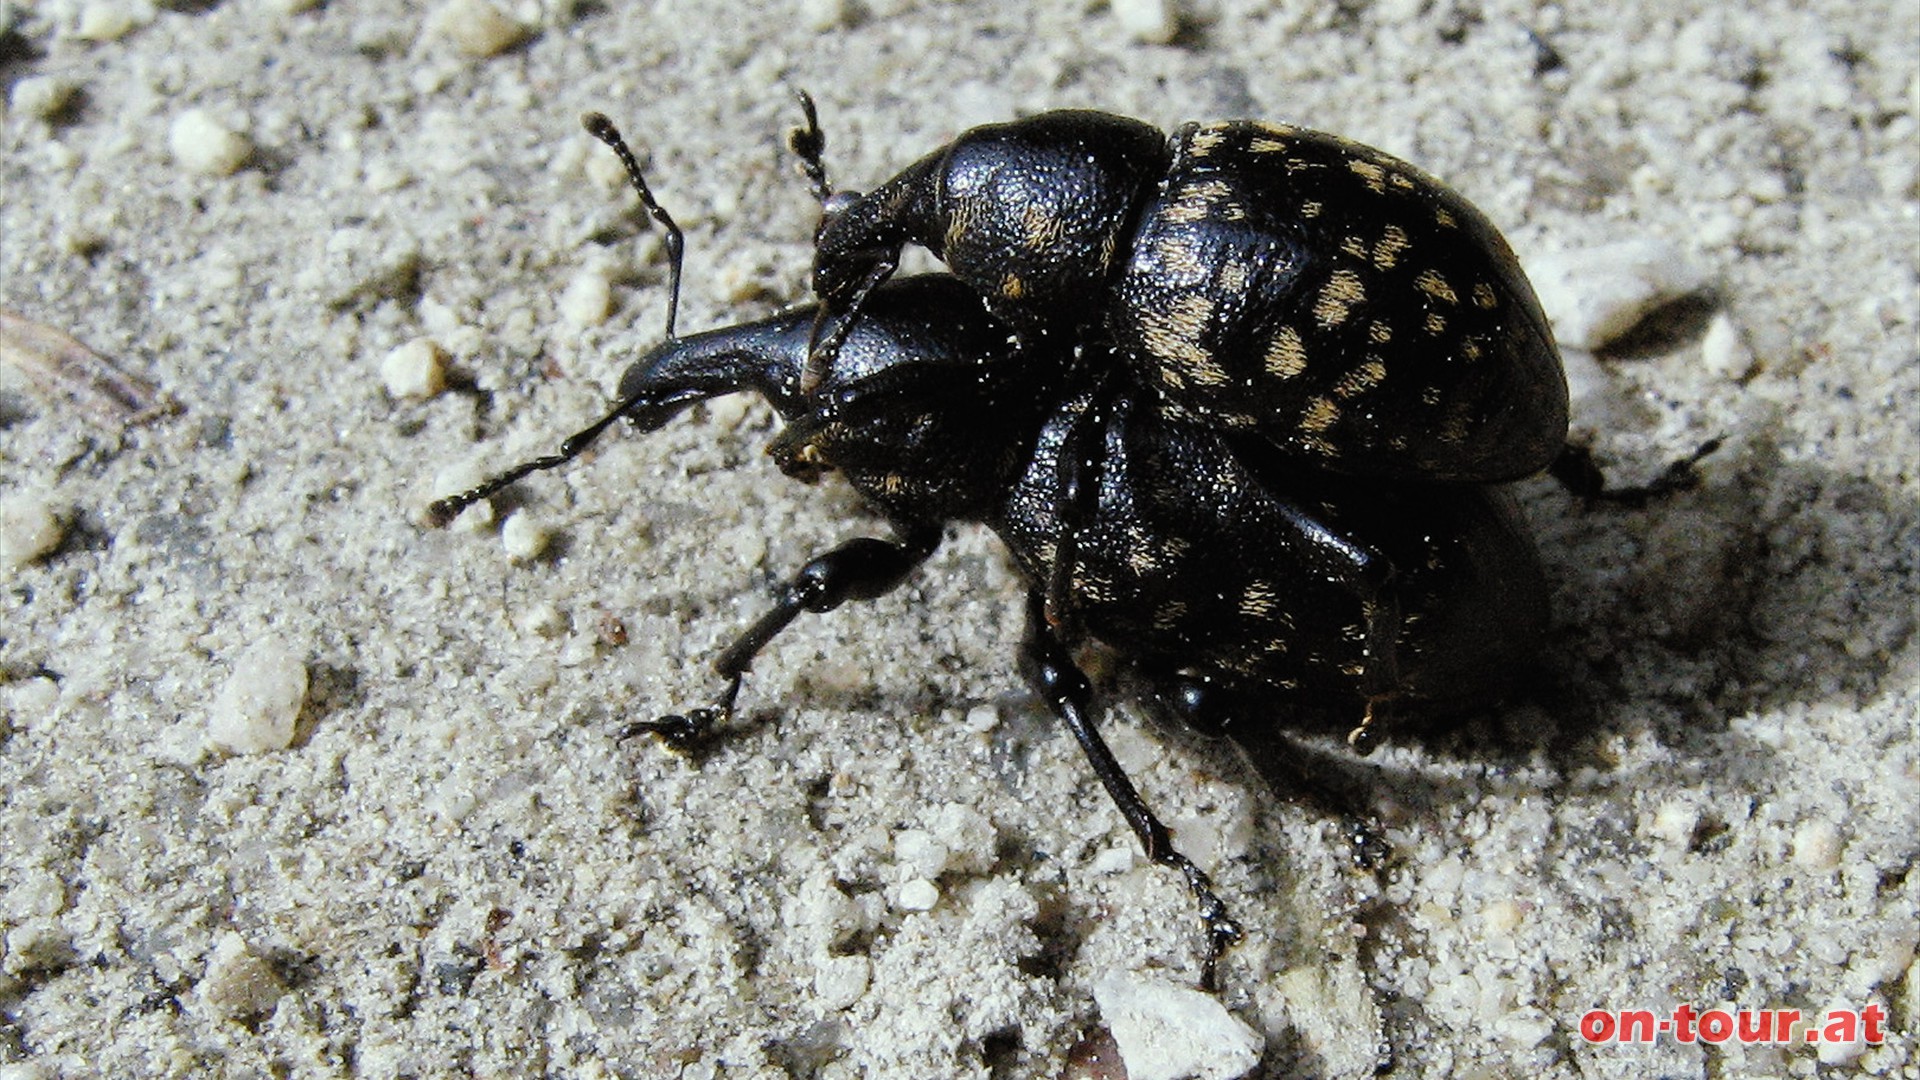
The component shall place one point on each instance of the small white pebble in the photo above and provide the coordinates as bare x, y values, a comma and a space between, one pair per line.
203, 145
921, 853
105, 20
1674, 821
542, 620
37, 944
524, 537
588, 298
728, 410
257, 708
238, 984
969, 835
1114, 860
478, 28
821, 16
1502, 917
1817, 846
749, 546
982, 718
1169, 1032
417, 369
1724, 349
917, 895
1594, 295
40, 96
1842, 1052
1155, 22
29, 529
25, 1070
29, 703
842, 980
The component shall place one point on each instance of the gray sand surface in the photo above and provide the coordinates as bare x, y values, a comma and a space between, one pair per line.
900, 866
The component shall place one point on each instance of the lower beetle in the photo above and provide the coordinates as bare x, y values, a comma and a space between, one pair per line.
1239, 585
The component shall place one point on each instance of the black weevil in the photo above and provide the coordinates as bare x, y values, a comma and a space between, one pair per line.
1242, 587
1347, 307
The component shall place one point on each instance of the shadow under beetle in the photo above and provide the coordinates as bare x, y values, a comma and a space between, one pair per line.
1238, 581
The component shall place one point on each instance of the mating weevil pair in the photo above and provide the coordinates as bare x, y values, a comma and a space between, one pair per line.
1233, 400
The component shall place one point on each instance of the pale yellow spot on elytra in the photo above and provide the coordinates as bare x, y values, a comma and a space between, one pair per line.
1205, 141
1445, 219
1259, 600
1286, 353
1379, 333
1320, 415
1233, 277
1354, 246
1392, 242
1436, 286
1170, 615
1471, 349
1374, 175
1343, 290
1311, 208
1361, 379
1436, 323
1172, 332
1012, 287
1261, 144
1178, 258
1400, 180
1484, 296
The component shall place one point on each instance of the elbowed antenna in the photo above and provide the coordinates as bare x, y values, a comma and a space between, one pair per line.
442, 511
601, 128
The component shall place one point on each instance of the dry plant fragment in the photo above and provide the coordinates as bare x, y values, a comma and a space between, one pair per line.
61, 366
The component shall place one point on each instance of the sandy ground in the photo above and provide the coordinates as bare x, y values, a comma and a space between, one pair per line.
448, 866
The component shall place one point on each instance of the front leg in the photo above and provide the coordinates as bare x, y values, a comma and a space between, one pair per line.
860, 569
1061, 684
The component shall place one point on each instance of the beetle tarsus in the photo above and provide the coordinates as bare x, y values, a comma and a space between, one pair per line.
1064, 687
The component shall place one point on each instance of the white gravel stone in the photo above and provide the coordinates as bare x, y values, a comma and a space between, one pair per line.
40, 96
917, 895
1155, 22
257, 708
1593, 295
106, 20
842, 980
524, 537
417, 369
1170, 1032
200, 143
29, 529
478, 28
588, 298
238, 984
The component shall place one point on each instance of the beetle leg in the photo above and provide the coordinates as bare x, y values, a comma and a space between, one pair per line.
1290, 770
822, 349
1075, 500
860, 569
1581, 476
1054, 676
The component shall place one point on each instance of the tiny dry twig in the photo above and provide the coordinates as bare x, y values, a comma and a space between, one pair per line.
61, 366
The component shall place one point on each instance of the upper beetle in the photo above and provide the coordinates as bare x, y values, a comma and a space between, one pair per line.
1350, 309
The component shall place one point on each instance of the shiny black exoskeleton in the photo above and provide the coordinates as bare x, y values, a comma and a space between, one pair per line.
1242, 587
1340, 303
